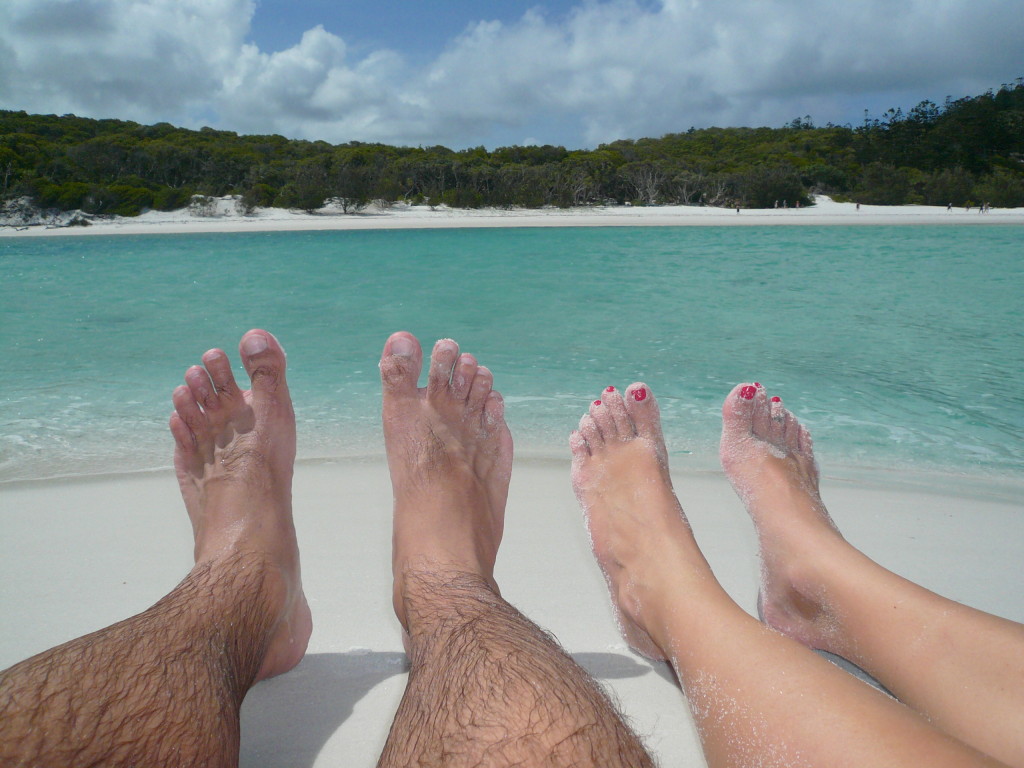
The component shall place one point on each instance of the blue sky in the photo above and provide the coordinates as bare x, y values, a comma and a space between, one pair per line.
570, 72
417, 28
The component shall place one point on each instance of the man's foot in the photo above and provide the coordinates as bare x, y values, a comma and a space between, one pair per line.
234, 456
450, 455
767, 455
639, 533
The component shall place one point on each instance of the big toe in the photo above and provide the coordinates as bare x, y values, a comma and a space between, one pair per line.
264, 361
739, 411
643, 411
400, 364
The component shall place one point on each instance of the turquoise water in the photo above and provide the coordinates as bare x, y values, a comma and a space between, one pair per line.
899, 346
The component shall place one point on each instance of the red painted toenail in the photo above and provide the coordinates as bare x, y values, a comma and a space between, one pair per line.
757, 384
597, 402
609, 389
748, 392
640, 394
776, 399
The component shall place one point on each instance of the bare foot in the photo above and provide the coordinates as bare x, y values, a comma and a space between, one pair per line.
767, 455
234, 456
637, 528
450, 455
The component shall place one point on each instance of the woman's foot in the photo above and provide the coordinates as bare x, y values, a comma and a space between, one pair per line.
234, 456
450, 455
767, 455
637, 528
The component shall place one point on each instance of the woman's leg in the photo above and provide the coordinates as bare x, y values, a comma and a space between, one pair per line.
757, 696
961, 668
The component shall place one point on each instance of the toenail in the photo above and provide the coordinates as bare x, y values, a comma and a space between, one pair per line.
757, 384
254, 344
597, 402
402, 346
609, 389
640, 394
748, 392
776, 399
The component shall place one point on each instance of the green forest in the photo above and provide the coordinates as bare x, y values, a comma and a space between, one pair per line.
967, 150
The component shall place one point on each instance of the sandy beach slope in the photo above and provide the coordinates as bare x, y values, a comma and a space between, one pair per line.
401, 216
81, 554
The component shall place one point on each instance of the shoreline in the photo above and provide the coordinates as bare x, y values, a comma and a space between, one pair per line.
82, 554
825, 212
975, 483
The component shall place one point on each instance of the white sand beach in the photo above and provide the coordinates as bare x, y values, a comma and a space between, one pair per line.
81, 554
225, 218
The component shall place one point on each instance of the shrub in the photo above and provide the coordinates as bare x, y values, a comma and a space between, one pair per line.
948, 186
67, 196
309, 198
762, 187
256, 196
128, 200
883, 185
1003, 189
202, 206
462, 198
170, 199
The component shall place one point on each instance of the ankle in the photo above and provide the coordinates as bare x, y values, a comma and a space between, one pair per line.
671, 590
251, 579
233, 603
431, 604
798, 593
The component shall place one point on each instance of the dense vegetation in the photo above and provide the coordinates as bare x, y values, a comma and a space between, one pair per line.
969, 149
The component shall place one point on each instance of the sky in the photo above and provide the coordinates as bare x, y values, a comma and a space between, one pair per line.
465, 73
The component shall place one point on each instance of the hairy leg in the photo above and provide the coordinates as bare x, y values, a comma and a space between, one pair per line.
165, 687
962, 668
758, 698
487, 686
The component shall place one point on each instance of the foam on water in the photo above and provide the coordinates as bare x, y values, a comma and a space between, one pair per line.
896, 346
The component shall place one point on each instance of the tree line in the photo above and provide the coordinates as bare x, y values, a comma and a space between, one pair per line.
966, 150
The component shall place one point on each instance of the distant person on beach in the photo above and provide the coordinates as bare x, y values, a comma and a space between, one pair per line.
487, 686
758, 694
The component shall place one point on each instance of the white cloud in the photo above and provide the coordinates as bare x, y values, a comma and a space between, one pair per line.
144, 60
312, 91
608, 70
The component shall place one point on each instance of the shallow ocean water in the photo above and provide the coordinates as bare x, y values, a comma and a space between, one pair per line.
900, 347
